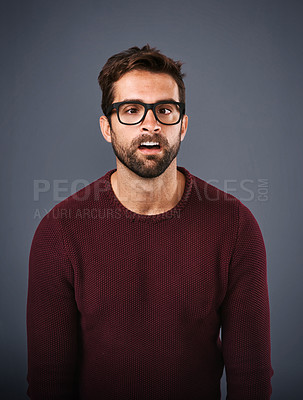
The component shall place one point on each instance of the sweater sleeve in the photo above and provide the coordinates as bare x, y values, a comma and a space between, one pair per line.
245, 316
52, 317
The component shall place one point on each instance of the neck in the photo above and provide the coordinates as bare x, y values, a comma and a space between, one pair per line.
148, 196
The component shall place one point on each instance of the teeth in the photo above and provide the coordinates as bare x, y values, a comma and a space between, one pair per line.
150, 144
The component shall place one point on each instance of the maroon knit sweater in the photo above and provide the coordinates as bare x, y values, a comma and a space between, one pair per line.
129, 307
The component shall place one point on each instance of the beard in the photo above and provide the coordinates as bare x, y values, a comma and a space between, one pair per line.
150, 165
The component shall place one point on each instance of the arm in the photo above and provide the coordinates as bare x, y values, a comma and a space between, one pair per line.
52, 320
245, 316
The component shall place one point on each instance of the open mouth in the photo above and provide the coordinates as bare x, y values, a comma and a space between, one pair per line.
150, 147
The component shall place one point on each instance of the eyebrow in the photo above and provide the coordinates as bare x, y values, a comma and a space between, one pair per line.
133, 100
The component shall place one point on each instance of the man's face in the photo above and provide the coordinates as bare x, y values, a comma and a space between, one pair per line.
127, 140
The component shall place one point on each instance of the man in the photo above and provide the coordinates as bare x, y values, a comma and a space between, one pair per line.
132, 278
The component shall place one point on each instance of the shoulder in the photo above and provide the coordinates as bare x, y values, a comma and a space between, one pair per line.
81, 203
89, 196
222, 208
213, 200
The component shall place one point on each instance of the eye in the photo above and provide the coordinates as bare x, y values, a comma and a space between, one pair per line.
131, 110
164, 110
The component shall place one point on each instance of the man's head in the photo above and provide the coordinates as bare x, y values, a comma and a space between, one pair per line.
145, 135
146, 59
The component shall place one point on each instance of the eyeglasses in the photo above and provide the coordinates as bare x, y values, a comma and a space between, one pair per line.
134, 112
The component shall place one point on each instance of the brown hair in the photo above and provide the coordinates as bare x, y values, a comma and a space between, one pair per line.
134, 58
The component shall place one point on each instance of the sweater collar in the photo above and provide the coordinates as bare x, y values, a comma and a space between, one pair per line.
170, 214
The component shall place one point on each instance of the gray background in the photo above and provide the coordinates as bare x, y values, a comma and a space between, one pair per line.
243, 61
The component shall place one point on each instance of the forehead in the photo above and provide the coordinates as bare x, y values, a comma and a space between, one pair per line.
147, 86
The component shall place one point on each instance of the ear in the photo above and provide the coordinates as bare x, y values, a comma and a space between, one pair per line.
105, 128
184, 127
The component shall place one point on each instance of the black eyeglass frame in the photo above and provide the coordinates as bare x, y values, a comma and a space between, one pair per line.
147, 106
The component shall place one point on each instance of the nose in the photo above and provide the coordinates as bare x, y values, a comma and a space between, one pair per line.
150, 123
